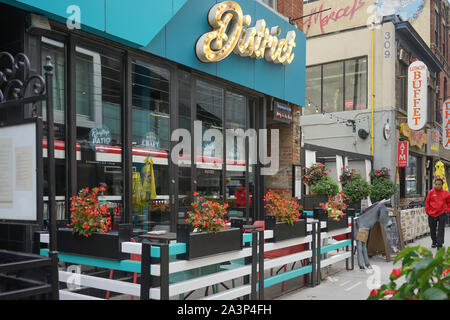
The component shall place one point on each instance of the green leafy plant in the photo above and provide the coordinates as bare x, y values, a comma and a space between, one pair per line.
335, 206
87, 215
347, 175
314, 173
426, 277
325, 186
356, 189
382, 188
381, 173
207, 215
285, 210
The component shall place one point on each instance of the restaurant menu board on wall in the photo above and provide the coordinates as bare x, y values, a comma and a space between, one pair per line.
18, 187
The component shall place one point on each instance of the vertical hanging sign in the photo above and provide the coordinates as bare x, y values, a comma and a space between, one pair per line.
446, 124
402, 154
417, 95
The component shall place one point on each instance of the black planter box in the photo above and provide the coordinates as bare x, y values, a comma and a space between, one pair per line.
201, 244
351, 212
283, 230
322, 215
99, 245
334, 225
158, 216
311, 201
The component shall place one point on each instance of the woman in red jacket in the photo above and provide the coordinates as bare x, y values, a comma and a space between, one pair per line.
436, 205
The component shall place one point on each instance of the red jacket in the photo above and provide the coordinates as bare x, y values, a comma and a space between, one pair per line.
436, 202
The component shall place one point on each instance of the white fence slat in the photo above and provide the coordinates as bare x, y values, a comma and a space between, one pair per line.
230, 294
208, 280
335, 258
100, 283
281, 261
67, 295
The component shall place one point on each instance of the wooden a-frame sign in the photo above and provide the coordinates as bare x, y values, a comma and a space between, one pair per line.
385, 241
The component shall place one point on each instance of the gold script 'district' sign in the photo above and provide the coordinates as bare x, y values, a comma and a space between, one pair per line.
231, 34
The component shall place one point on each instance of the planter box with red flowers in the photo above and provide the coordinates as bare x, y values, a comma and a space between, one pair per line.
284, 217
89, 232
210, 236
333, 212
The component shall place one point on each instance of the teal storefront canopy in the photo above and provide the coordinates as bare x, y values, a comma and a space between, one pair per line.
171, 28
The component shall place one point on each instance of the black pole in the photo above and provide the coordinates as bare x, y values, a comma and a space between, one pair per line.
261, 264
53, 254
164, 272
254, 265
319, 240
145, 271
314, 254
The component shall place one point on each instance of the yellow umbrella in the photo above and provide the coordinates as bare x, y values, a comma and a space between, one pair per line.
138, 192
149, 180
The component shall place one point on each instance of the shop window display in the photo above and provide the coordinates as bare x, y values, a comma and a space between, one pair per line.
98, 121
56, 50
151, 142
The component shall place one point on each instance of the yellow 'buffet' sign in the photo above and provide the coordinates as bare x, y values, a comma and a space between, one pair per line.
257, 42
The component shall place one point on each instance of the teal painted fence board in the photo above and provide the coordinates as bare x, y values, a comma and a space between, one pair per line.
286, 276
340, 244
123, 265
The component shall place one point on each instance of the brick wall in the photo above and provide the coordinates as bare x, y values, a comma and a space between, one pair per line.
289, 152
292, 9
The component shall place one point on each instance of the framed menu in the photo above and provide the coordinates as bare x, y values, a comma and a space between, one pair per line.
18, 172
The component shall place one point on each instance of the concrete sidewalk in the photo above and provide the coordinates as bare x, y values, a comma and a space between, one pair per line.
340, 284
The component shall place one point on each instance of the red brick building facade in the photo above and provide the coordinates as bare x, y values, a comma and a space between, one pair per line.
440, 45
290, 134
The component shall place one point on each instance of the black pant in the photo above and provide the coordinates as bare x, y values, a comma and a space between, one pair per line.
432, 222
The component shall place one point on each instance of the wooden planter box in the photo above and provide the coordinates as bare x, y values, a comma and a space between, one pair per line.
99, 245
201, 244
283, 230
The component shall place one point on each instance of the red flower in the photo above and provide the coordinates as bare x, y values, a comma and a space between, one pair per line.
445, 272
374, 293
396, 273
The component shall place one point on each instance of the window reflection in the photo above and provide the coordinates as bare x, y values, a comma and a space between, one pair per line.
209, 164
98, 121
151, 142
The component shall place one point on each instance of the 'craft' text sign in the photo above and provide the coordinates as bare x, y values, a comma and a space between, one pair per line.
446, 124
230, 34
417, 95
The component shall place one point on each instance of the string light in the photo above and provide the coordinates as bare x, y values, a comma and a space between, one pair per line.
337, 118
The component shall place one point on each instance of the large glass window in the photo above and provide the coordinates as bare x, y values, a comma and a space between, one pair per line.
403, 86
355, 84
151, 142
313, 90
236, 115
412, 176
56, 50
98, 121
336, 86
333, 87
209, 100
